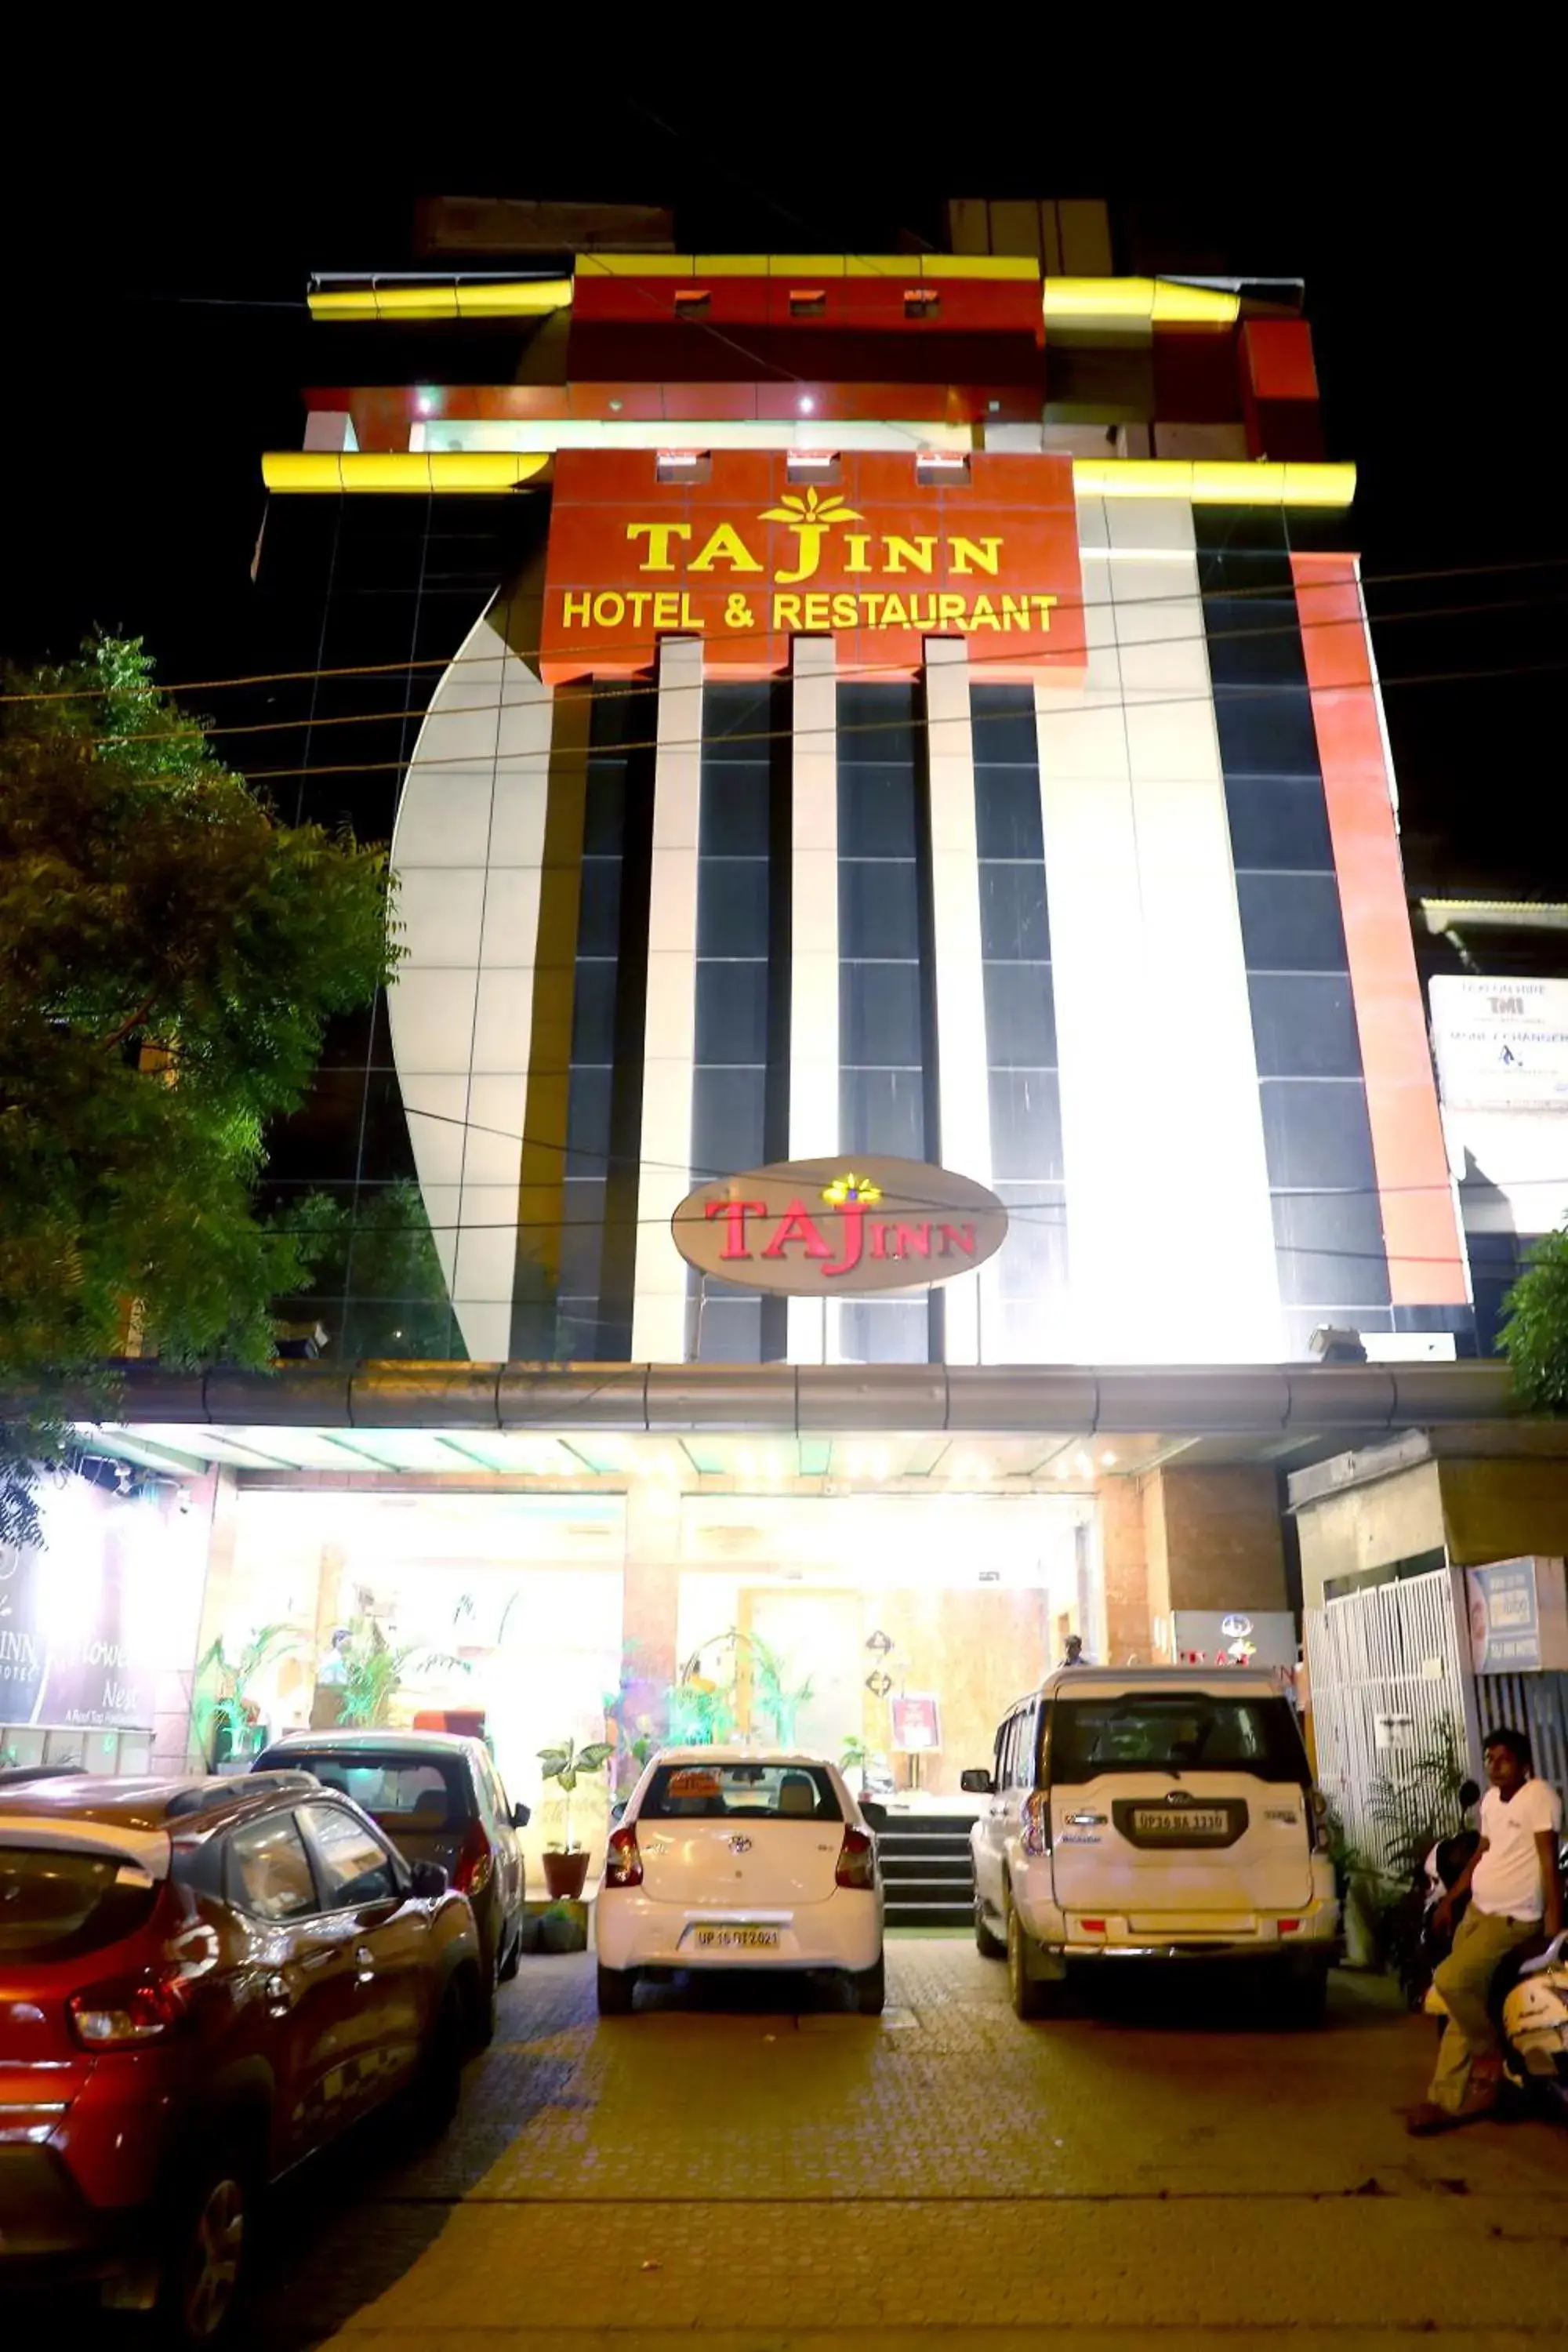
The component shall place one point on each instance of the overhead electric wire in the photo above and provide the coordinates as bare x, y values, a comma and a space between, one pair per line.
1239, 592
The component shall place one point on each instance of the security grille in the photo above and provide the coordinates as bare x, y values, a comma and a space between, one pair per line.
1390, 1690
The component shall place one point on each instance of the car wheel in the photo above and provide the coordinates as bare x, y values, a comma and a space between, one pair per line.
206, 2267
987, 1943
870, 1987
1031, 1996
440, 2083
618, 1990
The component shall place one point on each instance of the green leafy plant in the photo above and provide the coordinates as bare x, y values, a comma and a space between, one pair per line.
222, 1709
1534, 1335
566, 1764
374, 1670
854, 1756
773, 1698
169, 954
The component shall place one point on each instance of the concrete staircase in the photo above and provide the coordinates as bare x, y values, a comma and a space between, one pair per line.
927, 1872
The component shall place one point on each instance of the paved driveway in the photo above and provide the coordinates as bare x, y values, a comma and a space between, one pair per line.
735, 2171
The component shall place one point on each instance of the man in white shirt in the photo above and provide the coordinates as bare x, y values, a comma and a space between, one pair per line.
1515, 1895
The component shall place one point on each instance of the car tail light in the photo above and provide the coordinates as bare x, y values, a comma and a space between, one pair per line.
623, 1862
475, 1862
1037, 1837
1092, 1926
856, 1864
1321, 1834
1288, 1926
125, 2011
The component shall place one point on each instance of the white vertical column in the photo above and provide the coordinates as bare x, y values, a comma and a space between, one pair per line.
659, 1304
1169, 1232
1217, 1297
814, 1057
964, 1088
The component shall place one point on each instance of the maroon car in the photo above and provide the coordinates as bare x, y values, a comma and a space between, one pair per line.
203, 1982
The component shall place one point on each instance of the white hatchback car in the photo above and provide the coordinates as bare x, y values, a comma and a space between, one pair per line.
728, 1857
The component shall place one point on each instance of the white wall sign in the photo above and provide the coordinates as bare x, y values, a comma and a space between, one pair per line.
1500, 1045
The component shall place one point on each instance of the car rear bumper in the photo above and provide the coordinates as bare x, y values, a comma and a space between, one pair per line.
1306, 1937
50, 2235
632, 1932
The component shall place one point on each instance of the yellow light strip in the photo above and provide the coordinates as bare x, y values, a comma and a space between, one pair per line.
1211, 482
907, 268
473, 472
1136, 301
477, 472
527, 298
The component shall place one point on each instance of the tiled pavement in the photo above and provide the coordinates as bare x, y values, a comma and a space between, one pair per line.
732, 2169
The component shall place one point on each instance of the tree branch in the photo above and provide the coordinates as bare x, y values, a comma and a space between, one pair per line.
118, 1036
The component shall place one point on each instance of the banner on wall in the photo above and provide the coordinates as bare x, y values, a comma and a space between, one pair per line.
79, 1618
1518, 1617
887, 550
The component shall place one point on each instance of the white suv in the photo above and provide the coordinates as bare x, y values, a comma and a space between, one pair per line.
728, 1858
1160, 1813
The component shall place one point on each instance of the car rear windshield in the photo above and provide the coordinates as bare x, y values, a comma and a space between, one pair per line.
722, 1792
56, 1905
1167, 1731
403, 1792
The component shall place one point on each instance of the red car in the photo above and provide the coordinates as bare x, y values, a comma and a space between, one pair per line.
202, 1983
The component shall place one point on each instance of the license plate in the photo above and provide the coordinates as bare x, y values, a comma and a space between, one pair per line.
1180, 1821
734, 1939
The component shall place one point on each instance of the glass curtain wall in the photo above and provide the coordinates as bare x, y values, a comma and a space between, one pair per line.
1021, 1312
740, 1106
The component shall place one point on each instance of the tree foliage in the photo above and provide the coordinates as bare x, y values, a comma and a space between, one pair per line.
1534, 1338
169, 956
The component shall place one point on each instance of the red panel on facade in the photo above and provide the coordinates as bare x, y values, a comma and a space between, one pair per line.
750, 558
1425, 1261
1278, 356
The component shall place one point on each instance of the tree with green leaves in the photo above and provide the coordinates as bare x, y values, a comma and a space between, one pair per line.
169, 954
1534, 1336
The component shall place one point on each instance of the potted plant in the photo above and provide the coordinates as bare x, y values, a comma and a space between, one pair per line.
225, 1719
372, 1671
566, 1865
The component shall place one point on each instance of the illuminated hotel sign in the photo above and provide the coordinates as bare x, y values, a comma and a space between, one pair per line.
746, 560
817, 1228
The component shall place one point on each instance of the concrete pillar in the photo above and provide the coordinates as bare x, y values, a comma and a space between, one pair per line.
964, 1100
1125, 1573
650, 1599
1213, 1541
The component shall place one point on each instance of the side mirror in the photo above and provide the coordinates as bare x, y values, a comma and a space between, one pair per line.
428, 1880
874, 1815
977, 1784
521, 1816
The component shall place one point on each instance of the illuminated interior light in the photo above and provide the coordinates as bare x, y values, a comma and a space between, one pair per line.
1108, 1460
747, 1462
879, 1463
806, 403
1083, 1465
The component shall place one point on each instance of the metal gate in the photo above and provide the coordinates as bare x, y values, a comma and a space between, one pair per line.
1391, 1687
1536, 1704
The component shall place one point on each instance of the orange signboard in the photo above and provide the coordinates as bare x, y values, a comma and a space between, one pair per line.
747, 558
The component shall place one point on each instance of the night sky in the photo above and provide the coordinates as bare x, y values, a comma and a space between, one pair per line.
166, 340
